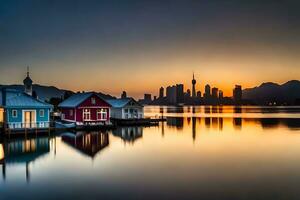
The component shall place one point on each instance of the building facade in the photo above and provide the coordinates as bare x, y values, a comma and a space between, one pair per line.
161, 92
85, 109
21, 111
126, 109
237, 94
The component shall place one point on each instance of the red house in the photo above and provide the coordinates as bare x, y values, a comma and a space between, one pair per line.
85, 109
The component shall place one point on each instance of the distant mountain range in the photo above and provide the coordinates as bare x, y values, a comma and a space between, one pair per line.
287, 93
48, 92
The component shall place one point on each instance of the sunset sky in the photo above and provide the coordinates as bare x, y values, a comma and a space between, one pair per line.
138, 46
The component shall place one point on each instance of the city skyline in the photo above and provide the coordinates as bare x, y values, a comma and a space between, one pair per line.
152, 43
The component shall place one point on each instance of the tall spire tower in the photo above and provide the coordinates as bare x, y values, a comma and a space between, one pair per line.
194, 88
28, 83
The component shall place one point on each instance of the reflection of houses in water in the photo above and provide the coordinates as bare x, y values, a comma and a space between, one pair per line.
129, 134
87, 143
23, 151
175, 121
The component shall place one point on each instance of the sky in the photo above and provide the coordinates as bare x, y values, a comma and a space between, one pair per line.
139, 46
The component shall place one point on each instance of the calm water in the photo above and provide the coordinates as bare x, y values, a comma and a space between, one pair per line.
199, 152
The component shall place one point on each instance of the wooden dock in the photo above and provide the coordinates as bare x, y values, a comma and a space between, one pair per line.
36, 131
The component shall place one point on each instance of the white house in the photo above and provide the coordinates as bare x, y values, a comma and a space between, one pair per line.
126, 108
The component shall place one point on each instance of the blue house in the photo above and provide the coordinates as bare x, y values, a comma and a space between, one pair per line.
19, 110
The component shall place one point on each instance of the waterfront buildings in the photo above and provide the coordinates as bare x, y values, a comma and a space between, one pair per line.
179, 94
86, 108
126, 108
175, 94
214, 92
161, 92
237, 94
19, 110
207, 93
171, 94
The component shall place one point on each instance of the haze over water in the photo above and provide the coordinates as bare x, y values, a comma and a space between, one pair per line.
213, 156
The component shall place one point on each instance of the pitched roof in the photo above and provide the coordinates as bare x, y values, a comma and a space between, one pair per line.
77, 99
15, 98
120, 103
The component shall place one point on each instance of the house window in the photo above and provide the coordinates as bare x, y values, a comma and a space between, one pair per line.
101, 114
86, 114
126, 110
42, 113
93, 100
14, 113
71, 113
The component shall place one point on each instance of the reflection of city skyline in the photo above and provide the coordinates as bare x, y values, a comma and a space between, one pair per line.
217, 123
237, 122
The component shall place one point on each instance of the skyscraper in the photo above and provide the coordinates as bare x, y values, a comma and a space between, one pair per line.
179, 93
171, 94
194, 87
221, 94
161, 92
207, 91
237, 94
214, 92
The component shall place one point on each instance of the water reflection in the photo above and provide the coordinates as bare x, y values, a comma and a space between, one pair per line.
89, 143
213, 156
176, 122
23, 152
129, 134
217, 123
224, 111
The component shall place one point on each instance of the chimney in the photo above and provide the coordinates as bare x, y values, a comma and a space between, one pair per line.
3, 91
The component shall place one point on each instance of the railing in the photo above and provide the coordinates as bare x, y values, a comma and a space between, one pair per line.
34, 125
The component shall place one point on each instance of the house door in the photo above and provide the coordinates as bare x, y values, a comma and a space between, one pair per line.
29, 119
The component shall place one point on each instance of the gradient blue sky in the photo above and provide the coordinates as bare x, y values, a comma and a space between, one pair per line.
138, 46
